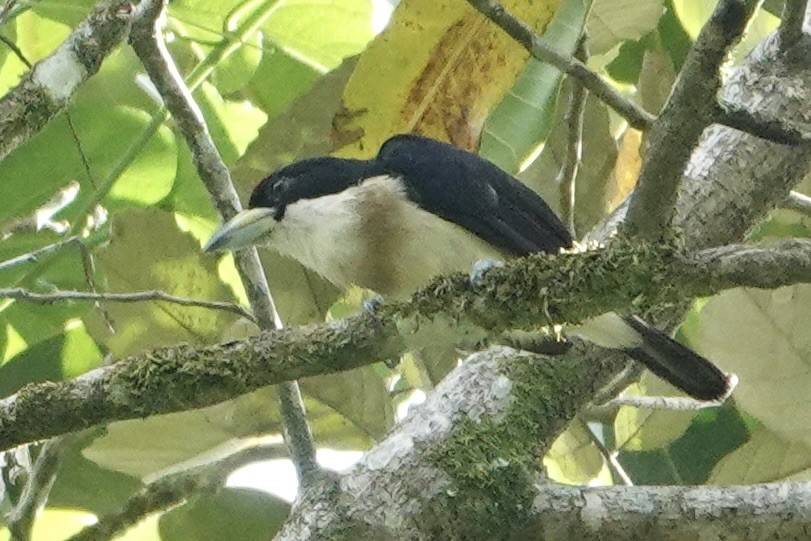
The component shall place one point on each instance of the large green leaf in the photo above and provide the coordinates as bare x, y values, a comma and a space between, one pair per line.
613, 21
147, 251
248, 514
321, 32
82, 484
349, 410
521, 122
713, 434
766, 457
762, 336
63, 356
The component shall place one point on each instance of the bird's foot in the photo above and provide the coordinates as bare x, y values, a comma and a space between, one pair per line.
371, 304
481, 268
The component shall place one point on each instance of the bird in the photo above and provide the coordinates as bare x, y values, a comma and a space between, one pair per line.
422, 208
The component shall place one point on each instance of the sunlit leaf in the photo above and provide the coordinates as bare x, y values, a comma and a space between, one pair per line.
573, 458
216, 517
438, 69
614, 21
768, 347
766, 457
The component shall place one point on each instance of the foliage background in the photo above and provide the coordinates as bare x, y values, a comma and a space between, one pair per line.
284, 79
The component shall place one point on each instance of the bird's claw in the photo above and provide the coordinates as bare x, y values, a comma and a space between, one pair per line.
481, 268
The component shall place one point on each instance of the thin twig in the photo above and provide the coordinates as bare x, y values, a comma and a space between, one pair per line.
798, 202
543, 51
7, 11
573, 120
89, 268
170, 491
147, 40
791, 24
671, 403
43, 474
16, 50
140, 296
33, 257
610, 456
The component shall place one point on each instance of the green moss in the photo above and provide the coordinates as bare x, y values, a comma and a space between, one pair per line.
493, 461
542, 289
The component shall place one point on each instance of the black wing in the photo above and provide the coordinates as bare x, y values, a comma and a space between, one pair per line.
473, 193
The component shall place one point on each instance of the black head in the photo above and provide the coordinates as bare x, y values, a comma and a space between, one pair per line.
307, 179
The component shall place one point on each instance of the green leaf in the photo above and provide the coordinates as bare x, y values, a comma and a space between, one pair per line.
573, 458
66, 355
637, 429
253, 514
82, 484
694, 15
276, 65
146, 252
762, 336
321, 33
765, 458
689, 460
237, 69
523, 119
613, 21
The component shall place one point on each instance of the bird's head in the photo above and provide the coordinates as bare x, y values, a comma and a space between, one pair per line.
306, 179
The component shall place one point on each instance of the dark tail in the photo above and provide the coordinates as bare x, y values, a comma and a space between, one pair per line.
677, 364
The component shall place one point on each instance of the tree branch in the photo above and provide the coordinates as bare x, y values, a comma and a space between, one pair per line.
170, 491
690, 109
573, 120
148, 43
463, 465
523, 294
798, 202
33, 256
537, 47
791, 24
753, 123
138, 296
41, 478
45, 90
767, 511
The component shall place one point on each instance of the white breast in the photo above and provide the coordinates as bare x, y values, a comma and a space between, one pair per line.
373, 236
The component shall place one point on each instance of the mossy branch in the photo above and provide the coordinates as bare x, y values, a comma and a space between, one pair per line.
626, 276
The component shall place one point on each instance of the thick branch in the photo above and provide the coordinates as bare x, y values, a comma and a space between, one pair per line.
522, 294
791, 24
754, 266
463, 466
543, 51
148, 43
689, 110
754, 123
768, 511
45, 90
